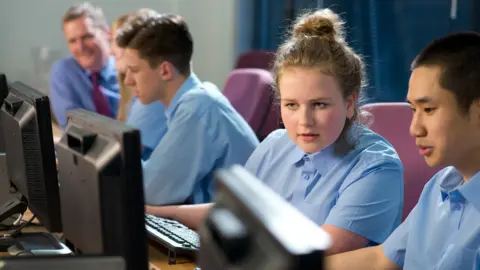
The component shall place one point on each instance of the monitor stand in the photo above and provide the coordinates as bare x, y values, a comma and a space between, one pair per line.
23, 243
38, 244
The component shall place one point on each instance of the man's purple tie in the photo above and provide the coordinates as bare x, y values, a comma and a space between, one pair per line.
99, 99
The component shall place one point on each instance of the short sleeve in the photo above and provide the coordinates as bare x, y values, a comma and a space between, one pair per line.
395, 246
185, 155
371, 205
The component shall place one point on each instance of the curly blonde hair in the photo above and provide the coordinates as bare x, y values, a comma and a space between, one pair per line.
317, 41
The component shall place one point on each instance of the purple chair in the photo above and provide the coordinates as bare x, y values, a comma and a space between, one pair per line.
250, 92
392, 121
256, 59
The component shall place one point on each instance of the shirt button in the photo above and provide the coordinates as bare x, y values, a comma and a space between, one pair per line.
456, 206
306, 177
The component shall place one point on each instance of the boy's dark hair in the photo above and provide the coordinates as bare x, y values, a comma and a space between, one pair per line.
458, 56
158, 37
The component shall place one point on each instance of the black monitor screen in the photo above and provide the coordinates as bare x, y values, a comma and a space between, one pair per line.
3, 95
27, 132
3, 88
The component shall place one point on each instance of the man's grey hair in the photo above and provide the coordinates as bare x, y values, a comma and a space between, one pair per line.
88, 10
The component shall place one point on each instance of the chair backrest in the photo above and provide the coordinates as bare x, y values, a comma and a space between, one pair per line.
392, 121
250, 92
256, 59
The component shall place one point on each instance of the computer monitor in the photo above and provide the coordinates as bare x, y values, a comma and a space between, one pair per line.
3, 87
30, 155
4, 181
251, 227
3, 95
63, 262
11, 206
102, 200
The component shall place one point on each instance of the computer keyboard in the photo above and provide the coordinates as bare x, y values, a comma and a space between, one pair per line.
173, 235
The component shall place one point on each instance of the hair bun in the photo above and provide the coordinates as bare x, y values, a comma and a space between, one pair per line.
323, 23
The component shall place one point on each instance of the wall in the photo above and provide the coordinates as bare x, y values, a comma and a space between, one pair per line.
32, 37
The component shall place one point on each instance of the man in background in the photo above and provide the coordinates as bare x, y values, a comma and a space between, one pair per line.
87, 78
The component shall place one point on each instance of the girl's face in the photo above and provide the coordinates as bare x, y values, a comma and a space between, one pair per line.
313, 108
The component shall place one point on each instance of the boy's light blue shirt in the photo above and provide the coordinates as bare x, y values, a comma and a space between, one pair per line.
151, 121
361, 192
204, 133
71, 88
443, 230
